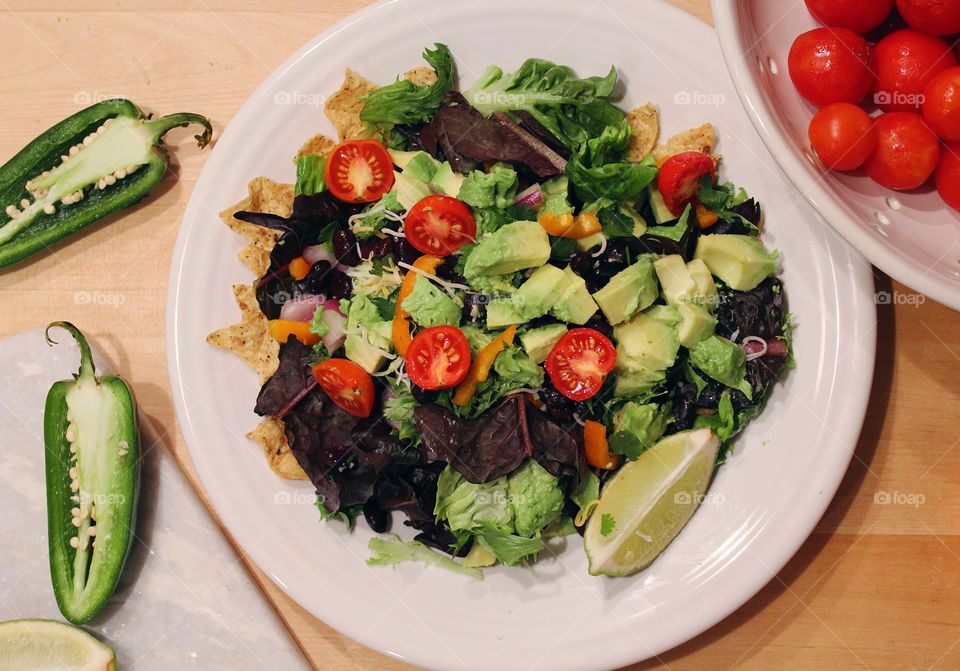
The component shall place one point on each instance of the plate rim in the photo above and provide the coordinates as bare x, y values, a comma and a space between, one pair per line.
732, 46
734, 596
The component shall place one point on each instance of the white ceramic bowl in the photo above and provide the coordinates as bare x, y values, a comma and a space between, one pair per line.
912, 236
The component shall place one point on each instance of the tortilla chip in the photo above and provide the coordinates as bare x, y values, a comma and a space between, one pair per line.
422, 76
271, 197
270, 436
318, 145
343, 107
250, 337
645, 129
256, 255
702, 139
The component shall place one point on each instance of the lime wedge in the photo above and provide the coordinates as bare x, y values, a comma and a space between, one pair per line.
644, 506
45, 645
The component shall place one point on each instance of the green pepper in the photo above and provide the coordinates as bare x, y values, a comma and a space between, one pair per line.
93, 474
102, 159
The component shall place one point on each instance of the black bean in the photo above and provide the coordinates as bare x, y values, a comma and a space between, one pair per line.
345, 247
316, 279
376, 517
406, 252
383, 248
339, 285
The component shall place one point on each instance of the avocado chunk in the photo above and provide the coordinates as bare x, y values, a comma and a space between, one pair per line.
632, 289
591, 241
706, 294
431, 306
400, 158
647, 346
637, 426
539, 292
408, 189
739, 260
676, 281
724, 361
516, 246
575, 305
538, 342
696, 324
501, 313
422, 165
661, 213
370, 336
446, 181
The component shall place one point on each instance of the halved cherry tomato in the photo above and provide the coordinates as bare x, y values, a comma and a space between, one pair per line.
438, 357
679, 177
907, 151
439, 225
579, 362
347, 384
906, 61
948, 175
941, 104
937, 17
831, 65
843, 136
860, 16
359, 171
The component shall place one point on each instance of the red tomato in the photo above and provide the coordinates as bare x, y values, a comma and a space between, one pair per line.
579, 362
439, 225
937, 17
831, 65
679, 177
941, 104
907, 151
948, 175
860, 16
359, 171
347, 384
905, 63
842, 135
438, 357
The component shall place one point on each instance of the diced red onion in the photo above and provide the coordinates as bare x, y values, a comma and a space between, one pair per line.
315, 253
531, 196
756, 348
342, 267
334, 305
301, 308
337, 333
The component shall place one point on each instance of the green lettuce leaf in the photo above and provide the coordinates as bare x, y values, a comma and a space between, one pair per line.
402, 102
510, 549
496, 188
598, 171
309, 175
390, 552
513, 365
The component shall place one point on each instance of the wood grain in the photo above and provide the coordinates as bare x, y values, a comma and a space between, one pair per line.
876, 585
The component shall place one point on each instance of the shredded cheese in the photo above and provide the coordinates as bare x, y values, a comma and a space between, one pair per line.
449, 287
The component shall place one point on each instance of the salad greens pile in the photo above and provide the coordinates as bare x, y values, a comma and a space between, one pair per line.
499, 309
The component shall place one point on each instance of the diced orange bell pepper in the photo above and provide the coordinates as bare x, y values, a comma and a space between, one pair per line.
706, 218
282, 329
481, 365
596, 447
299, 268
568, 226
400, 330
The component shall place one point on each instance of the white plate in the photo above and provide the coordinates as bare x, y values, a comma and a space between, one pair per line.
912, 236
764, 502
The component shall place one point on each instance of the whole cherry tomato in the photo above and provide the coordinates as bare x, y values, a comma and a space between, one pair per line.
842, 135
948, 175
831, 65
907, 151
905, 63
941, 104
860, 16
937, 17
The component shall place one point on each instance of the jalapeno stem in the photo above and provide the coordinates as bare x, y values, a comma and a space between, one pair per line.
87, 369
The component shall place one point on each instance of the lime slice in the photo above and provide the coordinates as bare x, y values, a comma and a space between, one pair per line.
45, 645
648, 502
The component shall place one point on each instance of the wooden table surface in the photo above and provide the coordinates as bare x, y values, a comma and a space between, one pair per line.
877, 585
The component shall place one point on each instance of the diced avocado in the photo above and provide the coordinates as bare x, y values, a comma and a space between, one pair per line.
661, 213
739, 260
637, 381
724, 361
478, 557
632, 289
589, 242
647, 346
409, 190
539, 341
446, 181
500, 313
637, 426
421, 165
575, 305
522, 244
370, 335
357, 350
400, 158
678, 286
696, 324
539, 292
477, 338
706, 294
